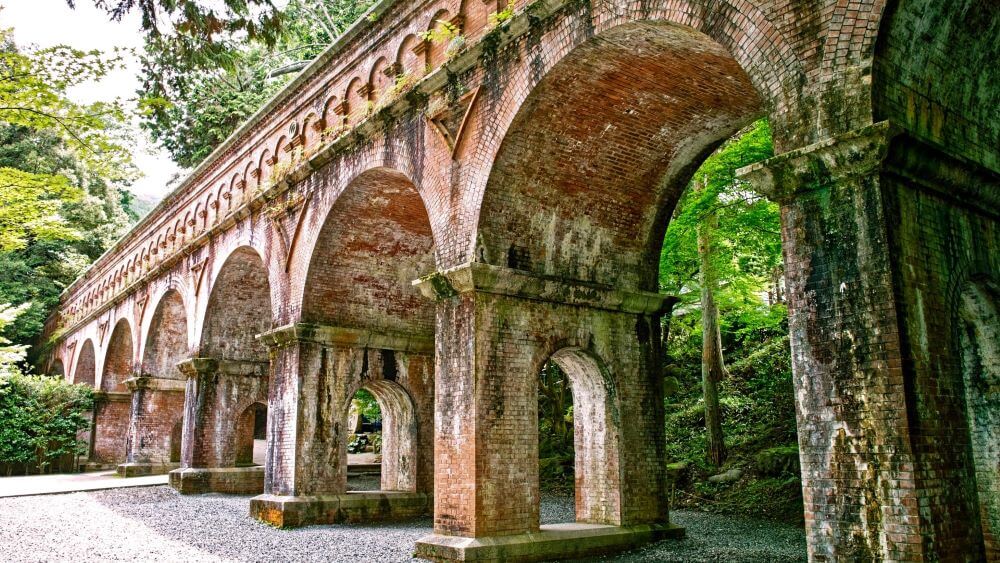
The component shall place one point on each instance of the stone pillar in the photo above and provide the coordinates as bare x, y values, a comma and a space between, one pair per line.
157, 407
316, 371
111, 420
217, 395
873, 487
495, 330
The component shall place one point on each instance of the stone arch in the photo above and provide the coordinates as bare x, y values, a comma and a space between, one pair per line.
623, 166
400, 438
310, 133
244, 435
595, 436
332, 121
475, 15
118, 358
86, 364
279, 149
375, 240
166, 338
238, 309
979, 357
957, 111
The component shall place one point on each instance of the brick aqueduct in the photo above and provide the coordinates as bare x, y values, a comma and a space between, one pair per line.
523, 174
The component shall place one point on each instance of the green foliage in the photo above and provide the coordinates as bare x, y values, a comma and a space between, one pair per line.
555, 429
10, 354
367, 405
39, 420
441, 33
190, 103
757, 399
63, 172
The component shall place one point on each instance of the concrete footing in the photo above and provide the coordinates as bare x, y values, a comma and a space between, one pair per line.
553, 542
230, 480
143, 469
353, 508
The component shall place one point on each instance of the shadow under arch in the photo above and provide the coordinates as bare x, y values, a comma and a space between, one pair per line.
375, 240
603, 146
86, 364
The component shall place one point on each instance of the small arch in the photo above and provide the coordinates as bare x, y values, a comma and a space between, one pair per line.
379, 82
436, 50
399, 434
251, 431
279, 149
357, 103
57, 369
310, 134
264, 165
475, 14
410, 62
332, 121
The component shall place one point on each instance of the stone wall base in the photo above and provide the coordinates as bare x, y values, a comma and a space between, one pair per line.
352, 508
553, 542
140, 469
229, 480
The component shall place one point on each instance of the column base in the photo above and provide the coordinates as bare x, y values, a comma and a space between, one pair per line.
552, 542
229, 480
139, 469
352, 508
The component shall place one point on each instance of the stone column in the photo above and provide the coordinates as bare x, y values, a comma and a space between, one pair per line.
316, 371
111, 420
495, 330
217, 394
157, 406
865, 486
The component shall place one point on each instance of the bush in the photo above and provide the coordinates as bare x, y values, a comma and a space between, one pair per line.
40, 418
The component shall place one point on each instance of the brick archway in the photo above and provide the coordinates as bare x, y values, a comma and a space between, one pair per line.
400, 437
587, 175
113, 404
86, 364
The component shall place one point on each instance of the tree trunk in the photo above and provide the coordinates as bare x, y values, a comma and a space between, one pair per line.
713, 369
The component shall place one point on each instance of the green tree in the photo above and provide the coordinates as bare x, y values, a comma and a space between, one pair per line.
192, 104
720, 251
64, 167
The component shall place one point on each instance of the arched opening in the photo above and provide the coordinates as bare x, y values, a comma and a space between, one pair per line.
578, 434
376, 240
86, 365
251, 432
582, 189
239, 308
385, 426
979, 341
112, 409
167, 341
118, 359
57, 369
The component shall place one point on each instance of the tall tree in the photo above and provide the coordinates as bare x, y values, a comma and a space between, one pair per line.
720, 251
190, 104
713, 369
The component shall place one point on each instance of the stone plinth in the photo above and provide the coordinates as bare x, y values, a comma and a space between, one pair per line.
351, 508
229, 480
553, 542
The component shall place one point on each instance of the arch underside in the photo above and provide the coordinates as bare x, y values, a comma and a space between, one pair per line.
602, 148
118, 359
375, 241
167, 342
86, 365
238, 309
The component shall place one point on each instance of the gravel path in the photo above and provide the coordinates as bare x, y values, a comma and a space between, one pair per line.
157, 524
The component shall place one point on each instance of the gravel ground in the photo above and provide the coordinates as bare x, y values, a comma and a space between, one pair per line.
157, 524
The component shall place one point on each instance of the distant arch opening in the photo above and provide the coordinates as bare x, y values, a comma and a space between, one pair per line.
382, 423
86, 365
167, 341
251, 433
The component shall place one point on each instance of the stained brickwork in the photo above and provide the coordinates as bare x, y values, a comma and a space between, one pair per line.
534, 167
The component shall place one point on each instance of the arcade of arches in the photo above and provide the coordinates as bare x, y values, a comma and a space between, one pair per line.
437, 247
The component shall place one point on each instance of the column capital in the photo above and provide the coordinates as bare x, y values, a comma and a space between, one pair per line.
475, 277
820, 165
332, 336
146, 381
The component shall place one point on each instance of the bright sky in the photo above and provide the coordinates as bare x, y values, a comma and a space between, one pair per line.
51, 22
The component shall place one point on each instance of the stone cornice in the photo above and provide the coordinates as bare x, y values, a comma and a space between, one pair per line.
112, 396
195, 367
154, 383
483, 278
334, 336
821, 165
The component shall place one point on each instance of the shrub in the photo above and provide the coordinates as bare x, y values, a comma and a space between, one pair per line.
40, 418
